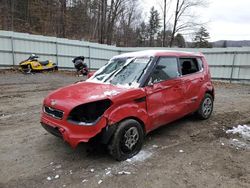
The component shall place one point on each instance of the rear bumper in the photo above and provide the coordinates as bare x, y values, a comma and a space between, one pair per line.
72, 134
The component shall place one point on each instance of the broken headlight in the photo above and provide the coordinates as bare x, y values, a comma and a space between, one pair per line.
88, 114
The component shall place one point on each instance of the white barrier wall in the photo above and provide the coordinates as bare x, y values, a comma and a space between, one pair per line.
225, 63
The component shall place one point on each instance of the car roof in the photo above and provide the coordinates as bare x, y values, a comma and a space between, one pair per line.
153, 53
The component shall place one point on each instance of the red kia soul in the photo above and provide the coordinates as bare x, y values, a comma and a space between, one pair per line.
130, 96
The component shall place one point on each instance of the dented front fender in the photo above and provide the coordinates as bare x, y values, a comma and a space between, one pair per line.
134, 110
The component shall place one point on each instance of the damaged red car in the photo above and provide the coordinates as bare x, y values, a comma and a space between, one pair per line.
130, 96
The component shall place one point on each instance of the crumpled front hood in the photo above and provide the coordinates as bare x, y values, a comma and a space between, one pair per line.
79, 93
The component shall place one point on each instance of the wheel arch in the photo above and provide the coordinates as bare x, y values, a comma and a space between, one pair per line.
210, 91
108, 132
136, 119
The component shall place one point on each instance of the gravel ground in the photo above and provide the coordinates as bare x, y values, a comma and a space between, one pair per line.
186, 153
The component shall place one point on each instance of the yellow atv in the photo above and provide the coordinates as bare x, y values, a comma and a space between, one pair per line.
32, 64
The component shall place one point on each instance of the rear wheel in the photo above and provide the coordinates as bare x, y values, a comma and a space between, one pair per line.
55, 68
127, 140
206, 107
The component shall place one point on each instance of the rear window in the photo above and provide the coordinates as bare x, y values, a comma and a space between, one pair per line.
190, 65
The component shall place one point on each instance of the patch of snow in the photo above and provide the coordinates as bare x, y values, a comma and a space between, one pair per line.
141, 156
124, 173
70, 172
127, 86
164, 147
128, 160
155, 146
95, 96
58, 166
181, 151
242, 130
238, 144
49, 178
222, 144
83, 181
100, 181
51, 163
108, 172
57, 176
111, 93
92, 170
17, 114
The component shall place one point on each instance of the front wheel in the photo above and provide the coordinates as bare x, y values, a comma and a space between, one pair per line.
206, 107
127, 140
26, 69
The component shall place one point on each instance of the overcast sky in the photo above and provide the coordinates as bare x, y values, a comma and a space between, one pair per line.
226, 19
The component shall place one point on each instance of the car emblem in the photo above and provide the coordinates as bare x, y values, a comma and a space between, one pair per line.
53, 102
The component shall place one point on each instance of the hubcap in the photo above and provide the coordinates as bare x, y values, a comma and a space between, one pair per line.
131, 137
207, 107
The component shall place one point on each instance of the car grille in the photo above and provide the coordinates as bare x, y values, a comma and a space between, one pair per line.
58, 114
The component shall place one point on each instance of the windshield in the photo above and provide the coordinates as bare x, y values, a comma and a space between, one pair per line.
122, 71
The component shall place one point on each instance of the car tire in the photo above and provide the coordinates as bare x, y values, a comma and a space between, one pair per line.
127, 140
206, 107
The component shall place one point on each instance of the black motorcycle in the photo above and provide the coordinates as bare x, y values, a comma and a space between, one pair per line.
80, 66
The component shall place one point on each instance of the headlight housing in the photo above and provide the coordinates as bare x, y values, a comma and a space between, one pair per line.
88, 114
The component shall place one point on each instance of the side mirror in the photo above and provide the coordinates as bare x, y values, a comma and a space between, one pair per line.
160, 67
150, 85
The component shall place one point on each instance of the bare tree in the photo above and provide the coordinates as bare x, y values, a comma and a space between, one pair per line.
164, 23
182, 9
63, 17
115, 9
128, 22
103, 21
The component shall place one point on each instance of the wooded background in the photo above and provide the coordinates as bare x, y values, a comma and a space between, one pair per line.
112, 22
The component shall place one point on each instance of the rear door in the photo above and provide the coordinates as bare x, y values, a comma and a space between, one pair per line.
193, 78
165, 100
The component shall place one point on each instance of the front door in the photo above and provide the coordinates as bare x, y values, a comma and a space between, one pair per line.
165, 100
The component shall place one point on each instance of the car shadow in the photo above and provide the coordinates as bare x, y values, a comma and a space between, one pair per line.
173, 127
95, 151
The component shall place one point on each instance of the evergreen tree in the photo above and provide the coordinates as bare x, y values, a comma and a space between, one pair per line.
179, 41
201, 39
154, 25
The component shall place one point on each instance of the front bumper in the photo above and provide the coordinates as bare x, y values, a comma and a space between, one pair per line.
71, 133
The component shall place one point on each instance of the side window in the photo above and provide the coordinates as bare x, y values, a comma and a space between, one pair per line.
190, 65
167, 68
